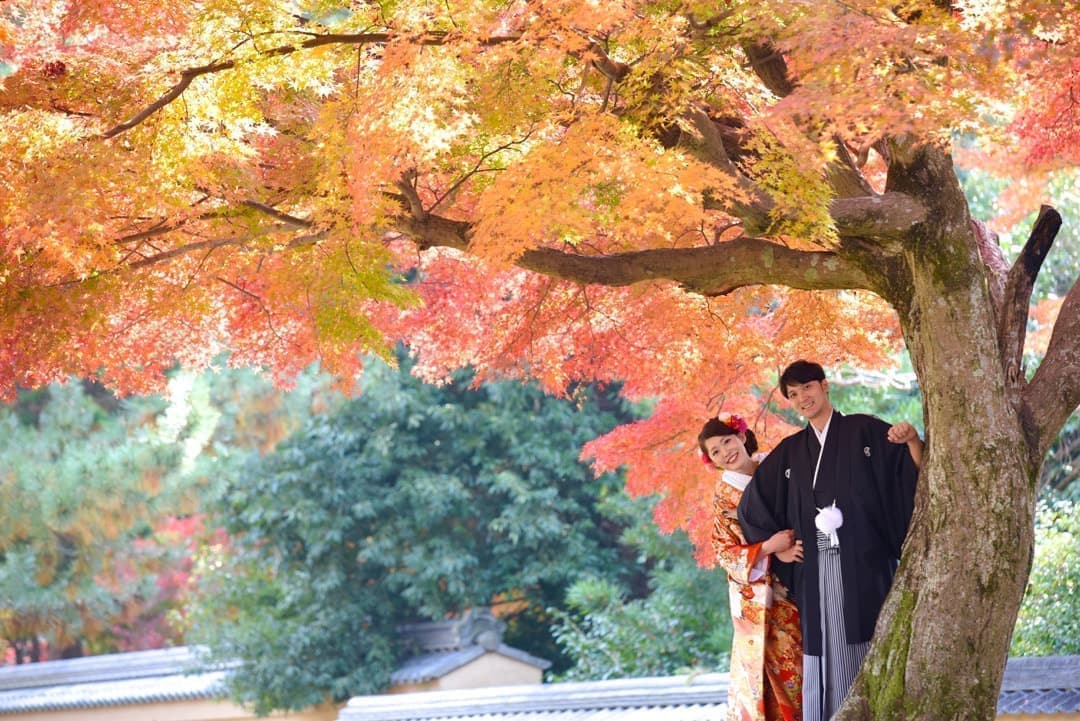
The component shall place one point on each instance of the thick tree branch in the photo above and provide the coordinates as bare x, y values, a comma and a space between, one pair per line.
710, 271
703, 137
844, 176
705, 140
886, 217
1054, 391
407, 185
700, 27
213, 244
434, 231
769, 65
614, 70
1012, 323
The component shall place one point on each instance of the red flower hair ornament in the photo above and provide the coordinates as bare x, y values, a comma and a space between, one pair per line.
734, 422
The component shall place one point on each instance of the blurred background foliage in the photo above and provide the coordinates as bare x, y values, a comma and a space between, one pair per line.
1049, 622
408, 502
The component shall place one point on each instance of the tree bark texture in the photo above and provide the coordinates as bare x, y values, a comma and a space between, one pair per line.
943, 636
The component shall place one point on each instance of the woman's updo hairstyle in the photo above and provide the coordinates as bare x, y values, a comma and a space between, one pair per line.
731, 426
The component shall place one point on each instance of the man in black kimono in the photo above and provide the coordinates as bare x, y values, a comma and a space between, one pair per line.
846, 484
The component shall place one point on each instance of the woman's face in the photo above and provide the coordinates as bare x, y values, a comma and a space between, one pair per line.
728, 452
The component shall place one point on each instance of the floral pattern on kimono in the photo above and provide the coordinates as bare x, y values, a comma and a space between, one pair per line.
766, 648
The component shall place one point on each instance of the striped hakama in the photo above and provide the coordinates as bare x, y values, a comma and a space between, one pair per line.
827, 679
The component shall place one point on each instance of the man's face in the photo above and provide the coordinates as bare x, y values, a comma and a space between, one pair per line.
811, 399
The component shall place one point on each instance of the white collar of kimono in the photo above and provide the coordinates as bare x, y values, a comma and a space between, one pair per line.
821, 446
739, 480
824, 431
735, 479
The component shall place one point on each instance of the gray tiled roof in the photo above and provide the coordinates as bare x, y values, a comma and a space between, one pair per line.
674, 698
174, 674
1040, 685
435, 665
170, 674
478, 626
1049, 701
1048, 685
1031, 685
451, 644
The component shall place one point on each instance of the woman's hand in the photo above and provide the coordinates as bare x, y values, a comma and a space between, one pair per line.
791, 554
779, 541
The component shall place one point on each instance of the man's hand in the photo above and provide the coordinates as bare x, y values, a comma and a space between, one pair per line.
902, 432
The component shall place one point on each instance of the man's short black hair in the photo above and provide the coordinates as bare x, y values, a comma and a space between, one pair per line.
800, 371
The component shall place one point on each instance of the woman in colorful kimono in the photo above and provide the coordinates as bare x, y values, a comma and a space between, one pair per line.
766, 649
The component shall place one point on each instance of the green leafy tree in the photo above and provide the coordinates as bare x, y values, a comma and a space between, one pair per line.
410, 502
1049, 622
100, 496
681, 623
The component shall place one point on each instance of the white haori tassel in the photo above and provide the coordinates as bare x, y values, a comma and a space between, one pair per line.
828, 520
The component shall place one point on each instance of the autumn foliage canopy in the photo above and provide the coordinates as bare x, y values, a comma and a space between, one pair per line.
492, 182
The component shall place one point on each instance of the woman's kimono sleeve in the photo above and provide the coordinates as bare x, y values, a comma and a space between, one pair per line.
744, 563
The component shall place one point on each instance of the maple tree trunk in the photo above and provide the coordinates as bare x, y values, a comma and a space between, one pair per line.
943, 636
966, 560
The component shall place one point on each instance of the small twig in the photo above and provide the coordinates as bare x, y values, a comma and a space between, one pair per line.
477, 169
275, 213
313, 41
262, 307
